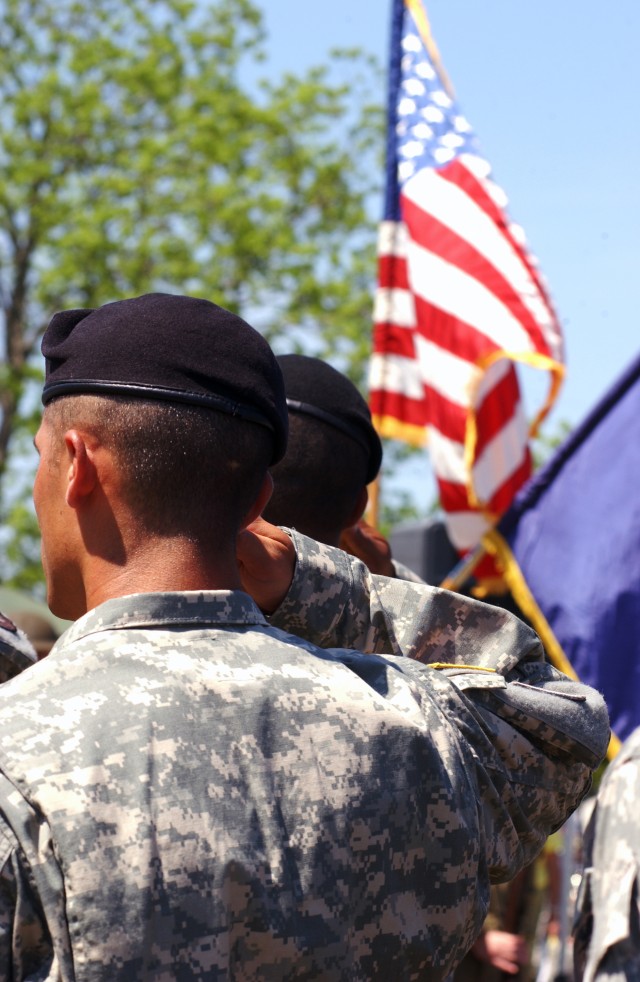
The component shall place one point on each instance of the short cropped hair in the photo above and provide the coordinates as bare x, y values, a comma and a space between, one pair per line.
318, 482
187, 470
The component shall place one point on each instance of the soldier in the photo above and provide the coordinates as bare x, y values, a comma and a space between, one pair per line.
333, 453
188, 791
607, 924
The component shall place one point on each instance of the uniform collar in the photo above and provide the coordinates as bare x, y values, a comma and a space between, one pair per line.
196, 608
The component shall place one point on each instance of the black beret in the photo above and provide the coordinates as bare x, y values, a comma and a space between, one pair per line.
319, 390
171, 348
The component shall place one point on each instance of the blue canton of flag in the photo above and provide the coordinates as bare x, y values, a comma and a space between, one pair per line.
431, 130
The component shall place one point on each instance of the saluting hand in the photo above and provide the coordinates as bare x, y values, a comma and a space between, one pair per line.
266, 559
368, 544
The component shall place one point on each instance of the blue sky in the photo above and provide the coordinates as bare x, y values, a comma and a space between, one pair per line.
550, 89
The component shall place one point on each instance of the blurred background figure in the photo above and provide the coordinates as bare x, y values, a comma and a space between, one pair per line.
522, 914
38, 629
16, 651
33, 618
607, 920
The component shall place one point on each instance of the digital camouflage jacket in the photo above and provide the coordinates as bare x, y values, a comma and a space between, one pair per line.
190, 792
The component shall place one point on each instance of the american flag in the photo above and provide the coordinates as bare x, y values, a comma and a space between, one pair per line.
459, 298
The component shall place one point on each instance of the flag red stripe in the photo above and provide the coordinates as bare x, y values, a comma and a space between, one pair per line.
393, 272
450, 333
441, 240
504, 495
447, 417
398, 406
486, 569
457, 173
497, 408
392, 340
454, 497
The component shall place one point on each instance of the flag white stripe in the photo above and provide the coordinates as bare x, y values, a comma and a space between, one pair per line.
447, 457
392, 239
395, 306
495, 465
465, 529
395, 374
451, 206
453, 378
494, 374
501, 457
465, 298
481, 170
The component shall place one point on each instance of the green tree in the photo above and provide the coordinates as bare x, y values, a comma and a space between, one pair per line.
140, 151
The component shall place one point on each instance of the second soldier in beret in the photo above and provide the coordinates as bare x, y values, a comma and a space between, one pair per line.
333, 453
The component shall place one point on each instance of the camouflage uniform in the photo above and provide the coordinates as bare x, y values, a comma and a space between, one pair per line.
188, 792
607, 927
403, 572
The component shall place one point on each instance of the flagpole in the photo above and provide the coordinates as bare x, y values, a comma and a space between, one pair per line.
391, 192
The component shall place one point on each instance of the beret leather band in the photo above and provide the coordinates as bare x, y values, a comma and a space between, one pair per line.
160, 393
322, 414
316, 389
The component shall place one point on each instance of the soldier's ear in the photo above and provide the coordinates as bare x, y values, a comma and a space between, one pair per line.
359, 507
81, 473
260, 503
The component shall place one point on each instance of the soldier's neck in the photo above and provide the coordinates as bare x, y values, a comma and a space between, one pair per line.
162, 565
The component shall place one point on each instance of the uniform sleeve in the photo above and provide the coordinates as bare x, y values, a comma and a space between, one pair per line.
535, 735
334, 601
607, 922
25, 944
403, 572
